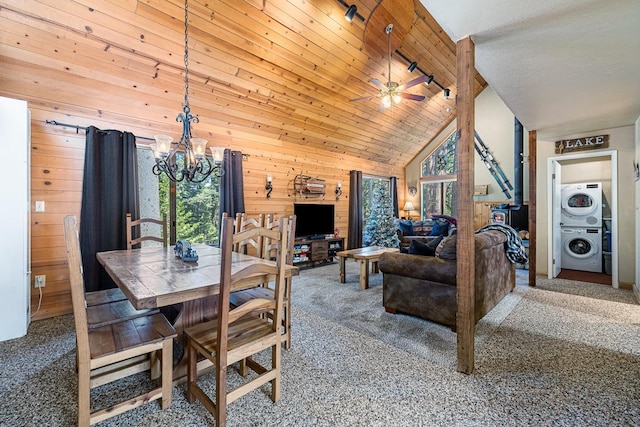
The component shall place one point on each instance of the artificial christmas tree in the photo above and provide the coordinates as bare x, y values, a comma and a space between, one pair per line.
381, 227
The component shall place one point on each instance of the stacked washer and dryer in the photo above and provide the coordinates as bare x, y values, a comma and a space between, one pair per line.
581, 226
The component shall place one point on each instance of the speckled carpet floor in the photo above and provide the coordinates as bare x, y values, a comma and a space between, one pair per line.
561, 354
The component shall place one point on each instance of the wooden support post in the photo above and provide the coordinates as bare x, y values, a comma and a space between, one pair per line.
533, 141
465, 319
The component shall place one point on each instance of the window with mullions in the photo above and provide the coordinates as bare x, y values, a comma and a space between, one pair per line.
196, 205
438, 180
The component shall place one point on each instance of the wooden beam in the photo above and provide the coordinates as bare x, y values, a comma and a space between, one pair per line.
465, 319
533, 142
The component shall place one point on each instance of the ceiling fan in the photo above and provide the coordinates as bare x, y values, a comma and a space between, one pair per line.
392, 92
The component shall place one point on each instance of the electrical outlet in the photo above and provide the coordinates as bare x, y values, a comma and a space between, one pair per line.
40, 281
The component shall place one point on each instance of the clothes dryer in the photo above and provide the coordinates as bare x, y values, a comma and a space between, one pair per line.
582, 249
581, 205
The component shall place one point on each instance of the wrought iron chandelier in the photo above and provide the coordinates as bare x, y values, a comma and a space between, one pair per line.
194, 165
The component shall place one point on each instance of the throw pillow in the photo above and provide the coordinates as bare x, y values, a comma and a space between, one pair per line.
428, 249
440, 228
406, 227
419, 248
447, 248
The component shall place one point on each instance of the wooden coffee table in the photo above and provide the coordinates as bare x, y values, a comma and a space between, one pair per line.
364, 255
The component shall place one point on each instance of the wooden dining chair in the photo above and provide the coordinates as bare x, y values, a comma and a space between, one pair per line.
237, 334
111, 305
115, 350
134, 225
269, 251
109, 296
252, 246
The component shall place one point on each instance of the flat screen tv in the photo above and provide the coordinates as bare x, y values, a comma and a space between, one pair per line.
313, 219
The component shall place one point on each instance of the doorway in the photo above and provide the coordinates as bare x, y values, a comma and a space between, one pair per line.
554, 182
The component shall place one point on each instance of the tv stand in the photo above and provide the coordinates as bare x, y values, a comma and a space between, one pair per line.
311, 251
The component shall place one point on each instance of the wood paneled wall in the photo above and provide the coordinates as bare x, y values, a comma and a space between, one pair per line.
57, 156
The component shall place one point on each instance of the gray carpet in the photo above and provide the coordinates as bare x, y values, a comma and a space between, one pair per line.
561, 354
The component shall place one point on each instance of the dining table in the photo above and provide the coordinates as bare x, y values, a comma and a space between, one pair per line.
154, 277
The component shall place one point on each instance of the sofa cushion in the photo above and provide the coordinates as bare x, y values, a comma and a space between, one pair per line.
428, 249
447, 248
406, 227
440, 228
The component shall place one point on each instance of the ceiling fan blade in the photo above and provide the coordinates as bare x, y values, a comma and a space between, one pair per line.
412, 96
362, 98
413, 82
378, 83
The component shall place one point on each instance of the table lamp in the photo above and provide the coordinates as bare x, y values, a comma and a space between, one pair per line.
408, 207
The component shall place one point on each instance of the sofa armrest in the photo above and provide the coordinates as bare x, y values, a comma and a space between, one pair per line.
419, 267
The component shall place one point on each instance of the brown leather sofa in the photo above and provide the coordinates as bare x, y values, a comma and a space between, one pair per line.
425, 286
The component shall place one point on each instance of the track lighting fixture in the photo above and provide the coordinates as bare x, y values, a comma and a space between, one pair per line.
352, 11
413, 65
447, 92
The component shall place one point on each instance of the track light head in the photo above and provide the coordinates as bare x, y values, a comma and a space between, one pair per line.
429, 80
351, 12
412, 66
447, 92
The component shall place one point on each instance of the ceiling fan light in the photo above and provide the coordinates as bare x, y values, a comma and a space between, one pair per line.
397, 98
351, 12
386, 101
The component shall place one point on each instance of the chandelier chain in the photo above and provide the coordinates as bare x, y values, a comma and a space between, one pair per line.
186, 53
187, 158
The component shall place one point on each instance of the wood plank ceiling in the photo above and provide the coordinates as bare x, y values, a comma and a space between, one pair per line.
276, 68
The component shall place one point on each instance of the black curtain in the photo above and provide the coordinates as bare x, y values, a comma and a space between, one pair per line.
354, 237
109, 191
393, 192
231, 184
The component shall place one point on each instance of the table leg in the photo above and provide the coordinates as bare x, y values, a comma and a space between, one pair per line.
364, 273
374, 267
192, 313
341, 261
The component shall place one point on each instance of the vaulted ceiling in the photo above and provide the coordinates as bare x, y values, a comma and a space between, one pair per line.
273, 68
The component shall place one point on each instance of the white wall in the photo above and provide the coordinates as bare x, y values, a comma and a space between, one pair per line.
495, 125
636, 287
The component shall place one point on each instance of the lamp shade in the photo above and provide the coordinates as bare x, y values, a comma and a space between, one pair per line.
408, 207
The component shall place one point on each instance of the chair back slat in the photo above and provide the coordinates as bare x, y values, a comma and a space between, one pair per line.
251, 244
134, 230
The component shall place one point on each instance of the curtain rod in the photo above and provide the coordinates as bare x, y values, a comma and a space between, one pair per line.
78, 127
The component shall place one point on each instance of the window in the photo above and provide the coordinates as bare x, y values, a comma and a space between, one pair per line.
438, 180
368, 186
196, 206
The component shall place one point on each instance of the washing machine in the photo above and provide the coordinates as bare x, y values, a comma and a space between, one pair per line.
582, 249
581, 205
